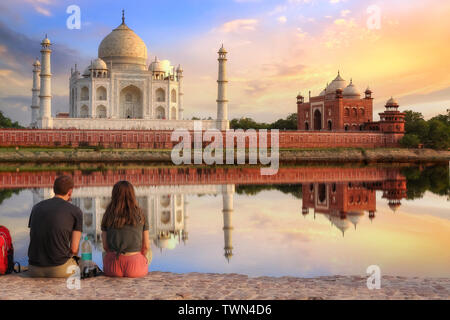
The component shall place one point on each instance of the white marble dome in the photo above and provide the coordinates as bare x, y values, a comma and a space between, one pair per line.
351, 92
337, 83
123, 47
98, 64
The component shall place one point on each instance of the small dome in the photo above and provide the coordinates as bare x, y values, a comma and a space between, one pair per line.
394, 206
392, 103
98, 64
179, 69
299, 95
45, 41
337, 83
37, 63
351, 91
156, 66
222, 50
368, 91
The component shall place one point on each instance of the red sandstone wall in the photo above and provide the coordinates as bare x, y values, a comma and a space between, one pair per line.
141, 139
195, 176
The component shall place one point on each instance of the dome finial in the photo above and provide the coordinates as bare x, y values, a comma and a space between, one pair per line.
123, 16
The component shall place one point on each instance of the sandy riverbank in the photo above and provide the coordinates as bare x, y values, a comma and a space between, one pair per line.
193, 286
161, 156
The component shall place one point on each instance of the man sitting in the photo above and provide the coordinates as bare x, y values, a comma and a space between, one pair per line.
55, 232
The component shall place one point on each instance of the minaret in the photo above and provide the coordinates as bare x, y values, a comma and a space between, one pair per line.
46, 85
222, 102
180, 92
35, 94
228, 192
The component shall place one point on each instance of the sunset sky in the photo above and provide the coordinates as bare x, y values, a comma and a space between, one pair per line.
276, 49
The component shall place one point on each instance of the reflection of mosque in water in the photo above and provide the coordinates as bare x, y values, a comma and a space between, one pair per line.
344, 203
166, 207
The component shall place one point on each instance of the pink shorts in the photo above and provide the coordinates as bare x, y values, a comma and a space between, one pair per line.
134, 266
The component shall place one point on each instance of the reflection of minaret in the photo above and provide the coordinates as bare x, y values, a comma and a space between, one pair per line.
228, 192
185, 235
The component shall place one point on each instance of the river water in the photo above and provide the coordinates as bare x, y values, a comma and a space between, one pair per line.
306, 221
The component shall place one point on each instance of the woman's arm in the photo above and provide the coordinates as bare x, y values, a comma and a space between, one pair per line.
145, 242
104, 241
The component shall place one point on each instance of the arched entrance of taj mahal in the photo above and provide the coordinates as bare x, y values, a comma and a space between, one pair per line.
131, 103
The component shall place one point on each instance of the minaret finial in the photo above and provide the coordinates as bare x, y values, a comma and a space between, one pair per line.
123, 16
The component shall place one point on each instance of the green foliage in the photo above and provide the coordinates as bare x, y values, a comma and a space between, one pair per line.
434, 179
434, 133
410, 141
290, 123
6, 122
8, 193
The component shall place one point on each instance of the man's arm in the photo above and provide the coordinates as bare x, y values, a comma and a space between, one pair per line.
75, 242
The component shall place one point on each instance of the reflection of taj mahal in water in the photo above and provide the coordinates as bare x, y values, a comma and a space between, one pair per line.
166, 207
342, 203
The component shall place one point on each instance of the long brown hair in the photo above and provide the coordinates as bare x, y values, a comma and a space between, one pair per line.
123, 208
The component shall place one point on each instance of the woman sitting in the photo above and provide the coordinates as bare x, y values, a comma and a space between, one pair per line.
125, 234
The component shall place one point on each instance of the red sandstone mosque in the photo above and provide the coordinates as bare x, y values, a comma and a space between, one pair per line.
340, 107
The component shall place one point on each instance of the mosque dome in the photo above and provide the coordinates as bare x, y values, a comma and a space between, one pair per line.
351, 91
355, 217
324, 92
98, 64
123, 47
337, 83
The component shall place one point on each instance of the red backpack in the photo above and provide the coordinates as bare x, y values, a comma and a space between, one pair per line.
6, 251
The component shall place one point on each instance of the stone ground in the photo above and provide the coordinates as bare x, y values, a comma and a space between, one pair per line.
192, 286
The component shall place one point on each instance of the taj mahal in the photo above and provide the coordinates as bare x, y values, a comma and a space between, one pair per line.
118, 90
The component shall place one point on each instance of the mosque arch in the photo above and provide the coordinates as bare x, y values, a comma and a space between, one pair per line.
160, 95
317, 120
330, 125
131, 103
322, 193
173, 113
173, 95
84, 94
306, 126
100, 111
101, 93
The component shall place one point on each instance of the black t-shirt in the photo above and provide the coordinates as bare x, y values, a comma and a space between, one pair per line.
51, 225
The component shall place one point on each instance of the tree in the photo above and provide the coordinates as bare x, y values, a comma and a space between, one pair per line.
410, 141
6, 122
439, 135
